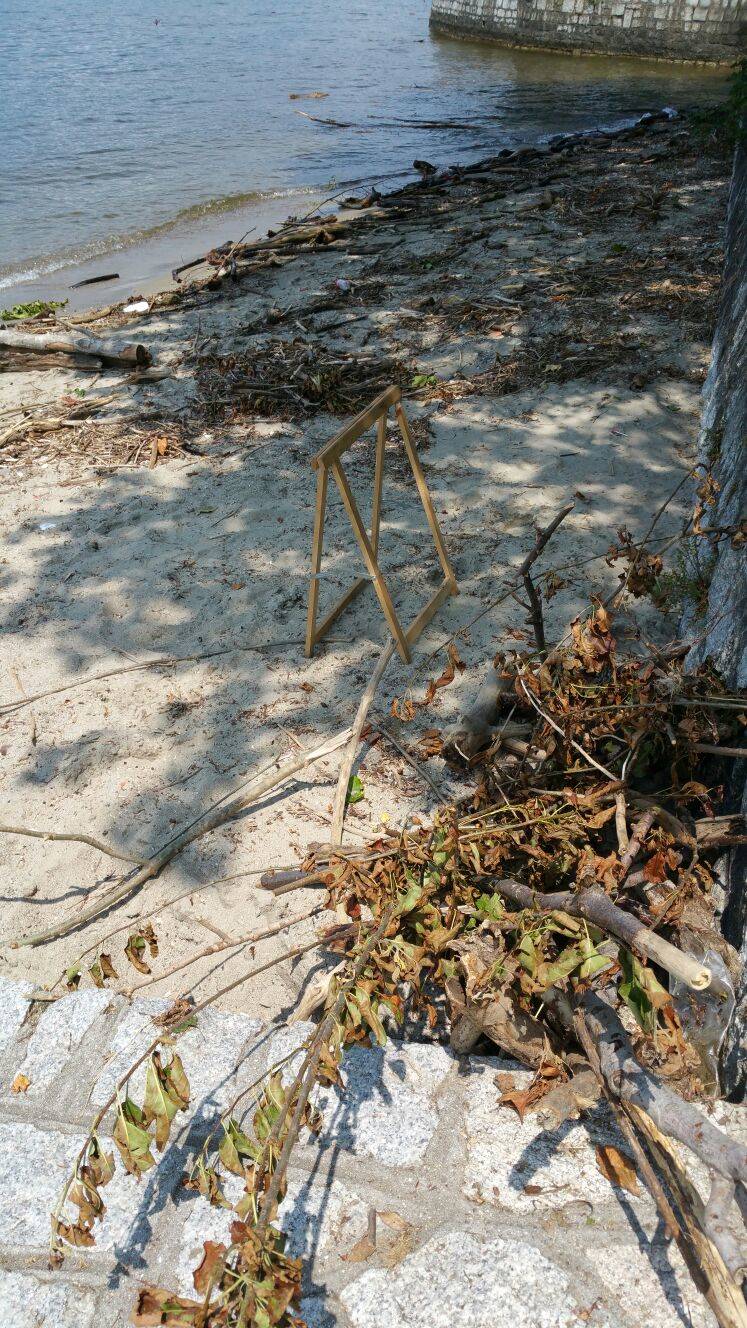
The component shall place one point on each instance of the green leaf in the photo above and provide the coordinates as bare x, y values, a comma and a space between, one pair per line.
528, 955
166, 1092
73, 975
132, 1139
641, 990
408, 901
355, 790
32, 309
424, 380
234, 1146
492, 906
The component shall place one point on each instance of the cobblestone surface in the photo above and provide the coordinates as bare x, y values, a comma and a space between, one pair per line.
484, 1220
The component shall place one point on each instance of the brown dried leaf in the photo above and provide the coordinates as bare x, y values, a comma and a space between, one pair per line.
617, 1168
73, 1234
158, 1308
20, 1084
395, 1221
207, 1270
362, 1250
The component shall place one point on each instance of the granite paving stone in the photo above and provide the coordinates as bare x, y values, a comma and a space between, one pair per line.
60, 1030
458, 1278
30, 1302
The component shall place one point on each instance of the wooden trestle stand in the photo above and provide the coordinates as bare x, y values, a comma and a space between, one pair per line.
327, 461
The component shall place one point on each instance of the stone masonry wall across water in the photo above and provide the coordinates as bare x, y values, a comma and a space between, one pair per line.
704, 31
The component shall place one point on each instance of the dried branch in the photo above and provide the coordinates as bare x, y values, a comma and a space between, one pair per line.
231, 943
201, 827
596, 907
304, 1082
576, 746
341, 792
80, 839
535, 604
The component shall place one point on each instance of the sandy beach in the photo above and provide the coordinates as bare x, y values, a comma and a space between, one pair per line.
548, 317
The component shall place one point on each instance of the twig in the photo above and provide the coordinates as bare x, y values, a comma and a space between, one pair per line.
81, 839
154, 1045
641, 543
710, 749
640, 830
379, 728
577, 746
305, 1079
596, 907
166, 661
231, 943
200, 827
153, 912
343, 780
621, 824
672, 1114
707, 1271
535, 609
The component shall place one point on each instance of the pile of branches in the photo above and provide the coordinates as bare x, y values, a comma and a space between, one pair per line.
291, 380
565, 911
555, 914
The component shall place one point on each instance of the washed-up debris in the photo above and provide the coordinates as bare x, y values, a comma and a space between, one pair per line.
73, 344
291, 379
94, 281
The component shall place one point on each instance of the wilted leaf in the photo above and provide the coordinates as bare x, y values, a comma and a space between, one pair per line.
617, 1168
395, 1221
156, 1308
446, 677
132, 1139
166, 1092
73, 975
101, 1164
177, 1018
209, 1267
72, 1233
205, 1180
235, 1146
20, 1083
135, 950
102, 969
362, 1250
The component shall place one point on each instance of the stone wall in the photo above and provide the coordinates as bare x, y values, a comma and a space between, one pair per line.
721, 635
708, 31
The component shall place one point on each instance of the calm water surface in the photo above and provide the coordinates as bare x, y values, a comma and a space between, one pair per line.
124, 118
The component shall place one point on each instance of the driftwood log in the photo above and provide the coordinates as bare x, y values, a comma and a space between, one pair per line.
76, 343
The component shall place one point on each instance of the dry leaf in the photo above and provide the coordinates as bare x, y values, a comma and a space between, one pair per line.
208, 1268
362, 1250
618, 1168
20, 1084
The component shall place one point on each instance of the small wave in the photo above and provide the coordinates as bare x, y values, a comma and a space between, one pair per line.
31, 269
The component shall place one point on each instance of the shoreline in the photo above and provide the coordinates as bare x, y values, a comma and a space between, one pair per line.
144, 261
548, 316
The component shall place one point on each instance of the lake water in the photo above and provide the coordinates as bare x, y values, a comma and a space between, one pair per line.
162, 126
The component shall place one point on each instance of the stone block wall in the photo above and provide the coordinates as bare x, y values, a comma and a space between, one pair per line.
704, 31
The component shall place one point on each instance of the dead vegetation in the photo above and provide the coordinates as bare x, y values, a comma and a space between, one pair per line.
565, 911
